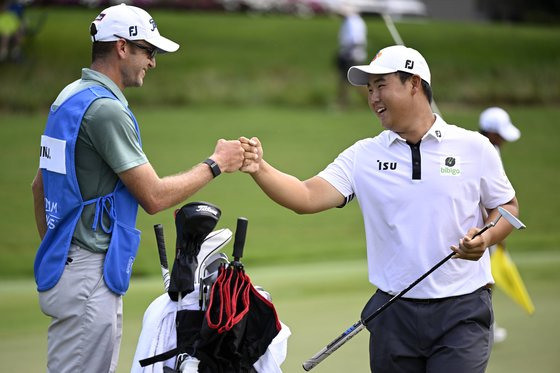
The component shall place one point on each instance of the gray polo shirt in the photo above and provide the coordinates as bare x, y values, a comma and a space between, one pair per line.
107, 145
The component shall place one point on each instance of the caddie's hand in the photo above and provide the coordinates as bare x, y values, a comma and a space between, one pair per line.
471, 248
253, 154
228, 154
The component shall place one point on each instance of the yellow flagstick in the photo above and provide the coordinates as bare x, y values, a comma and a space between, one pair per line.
509, 280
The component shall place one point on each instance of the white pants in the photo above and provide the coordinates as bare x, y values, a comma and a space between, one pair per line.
86, 327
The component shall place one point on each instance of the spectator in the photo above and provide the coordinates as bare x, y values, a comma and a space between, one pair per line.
12, 31
495, 124
352, 50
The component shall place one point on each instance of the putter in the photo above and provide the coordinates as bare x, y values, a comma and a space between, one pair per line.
516, 223
361, 324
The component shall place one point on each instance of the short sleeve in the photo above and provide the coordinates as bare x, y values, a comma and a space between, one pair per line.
113, 134
495, 187
339, 173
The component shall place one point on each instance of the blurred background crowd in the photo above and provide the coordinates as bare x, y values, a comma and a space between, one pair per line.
15, 26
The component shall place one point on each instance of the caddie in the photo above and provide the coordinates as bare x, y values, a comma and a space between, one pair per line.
92, 176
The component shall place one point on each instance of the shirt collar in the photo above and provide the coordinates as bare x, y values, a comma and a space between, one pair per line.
436, 131
104, 80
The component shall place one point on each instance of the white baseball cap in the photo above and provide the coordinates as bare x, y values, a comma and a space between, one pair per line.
497, 120
129, 22
389, 60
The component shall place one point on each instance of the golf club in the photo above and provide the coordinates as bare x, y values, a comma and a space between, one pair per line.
360, 325
239, 243
158, 229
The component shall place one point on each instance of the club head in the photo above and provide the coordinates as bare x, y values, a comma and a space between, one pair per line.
516, 223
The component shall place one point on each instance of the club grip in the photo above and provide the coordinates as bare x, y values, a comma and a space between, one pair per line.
239, 243
484, 229
160, 241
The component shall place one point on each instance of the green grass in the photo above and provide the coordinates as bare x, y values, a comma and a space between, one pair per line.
235, 59
237, 75
317, 301
272, 77
301, 142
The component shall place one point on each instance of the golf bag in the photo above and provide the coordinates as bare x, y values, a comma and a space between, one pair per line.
238, 326
221, 322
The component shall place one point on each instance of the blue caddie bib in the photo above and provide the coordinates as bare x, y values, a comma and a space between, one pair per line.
64, 203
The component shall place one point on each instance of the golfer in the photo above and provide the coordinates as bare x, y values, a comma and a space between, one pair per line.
422, 186
92, 176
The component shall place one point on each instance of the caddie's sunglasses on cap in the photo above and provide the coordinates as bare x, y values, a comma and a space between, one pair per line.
152, 51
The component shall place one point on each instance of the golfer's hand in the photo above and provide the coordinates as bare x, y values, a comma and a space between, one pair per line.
228, 155
253, 154
470, 248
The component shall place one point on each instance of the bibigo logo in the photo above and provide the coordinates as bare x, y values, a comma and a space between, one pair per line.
450, 166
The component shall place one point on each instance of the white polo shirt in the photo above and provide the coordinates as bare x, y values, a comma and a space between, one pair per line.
416, 203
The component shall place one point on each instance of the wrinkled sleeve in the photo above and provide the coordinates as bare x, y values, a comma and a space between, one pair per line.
339, 174
495, 187
113, 134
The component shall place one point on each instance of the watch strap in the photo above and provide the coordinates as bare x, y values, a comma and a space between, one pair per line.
213, 167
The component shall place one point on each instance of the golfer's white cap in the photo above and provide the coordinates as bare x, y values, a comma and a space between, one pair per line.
129, 22
497, 120
389, 60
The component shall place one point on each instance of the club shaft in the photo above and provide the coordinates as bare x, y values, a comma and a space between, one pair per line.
360, 325
403, 292
333, 346
166, 278
399, 41
486, 227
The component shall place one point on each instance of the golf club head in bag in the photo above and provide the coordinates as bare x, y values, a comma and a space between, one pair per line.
239, 323
209, 274
194, 221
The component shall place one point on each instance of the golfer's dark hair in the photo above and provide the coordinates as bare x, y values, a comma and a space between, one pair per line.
404, 76
100, 49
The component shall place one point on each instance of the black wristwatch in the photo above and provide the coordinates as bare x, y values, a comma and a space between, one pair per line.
213, 167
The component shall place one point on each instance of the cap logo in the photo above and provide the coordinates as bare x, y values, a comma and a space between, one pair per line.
99, 17
153, 23
133, 31
409, 64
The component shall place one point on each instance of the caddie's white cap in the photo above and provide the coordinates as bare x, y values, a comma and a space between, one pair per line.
129, 22
389, 60
497, 120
